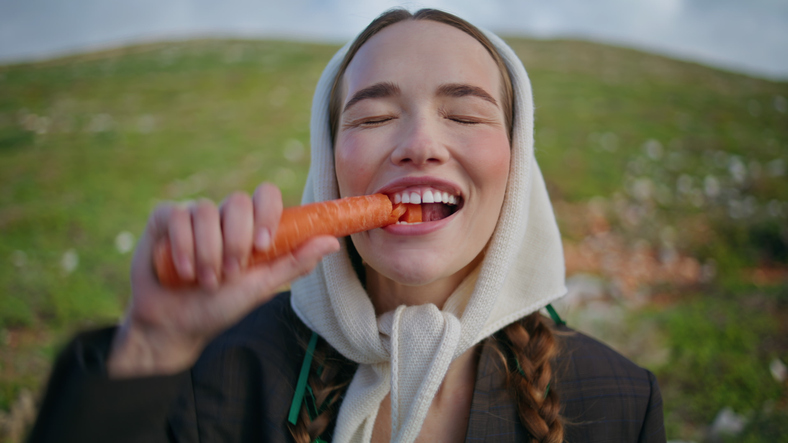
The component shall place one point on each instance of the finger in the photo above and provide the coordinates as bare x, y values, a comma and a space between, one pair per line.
237, 216
267, 201
261, 282
207, 243
178, 223
304, 259
156, 230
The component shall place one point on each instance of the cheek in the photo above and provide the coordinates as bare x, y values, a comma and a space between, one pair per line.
354, 165
491, 166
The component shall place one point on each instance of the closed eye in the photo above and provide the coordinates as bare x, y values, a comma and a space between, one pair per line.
465, 120
367, 122
375, 121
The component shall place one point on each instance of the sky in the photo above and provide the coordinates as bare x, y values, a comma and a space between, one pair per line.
747, 36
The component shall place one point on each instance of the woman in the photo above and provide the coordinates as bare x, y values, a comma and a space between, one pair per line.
426, 332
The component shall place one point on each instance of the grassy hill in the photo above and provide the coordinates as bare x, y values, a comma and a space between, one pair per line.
667, 158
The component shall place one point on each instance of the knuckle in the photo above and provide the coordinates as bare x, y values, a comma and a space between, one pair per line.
185, 204
266, 191
178, 213
238, 199
162, 208
233, 247
178, 221
301, 266
265, 186
207, 258
205, 209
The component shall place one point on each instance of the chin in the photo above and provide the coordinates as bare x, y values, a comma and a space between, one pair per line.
412, 271
412, 275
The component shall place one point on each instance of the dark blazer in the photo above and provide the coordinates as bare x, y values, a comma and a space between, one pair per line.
241, 388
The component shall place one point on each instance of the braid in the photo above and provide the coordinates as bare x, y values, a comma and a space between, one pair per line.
329, 376
532, 345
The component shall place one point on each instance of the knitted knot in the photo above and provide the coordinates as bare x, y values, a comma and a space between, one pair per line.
419, 334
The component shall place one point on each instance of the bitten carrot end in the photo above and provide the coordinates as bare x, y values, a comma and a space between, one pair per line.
412, 214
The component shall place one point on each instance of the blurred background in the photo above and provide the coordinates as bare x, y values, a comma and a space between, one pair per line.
661, 128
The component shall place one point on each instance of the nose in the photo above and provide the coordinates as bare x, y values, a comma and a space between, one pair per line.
421, 144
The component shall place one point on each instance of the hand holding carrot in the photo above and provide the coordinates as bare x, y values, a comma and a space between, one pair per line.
165, 330
337, 218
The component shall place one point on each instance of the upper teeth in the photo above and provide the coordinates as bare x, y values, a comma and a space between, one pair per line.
424, 195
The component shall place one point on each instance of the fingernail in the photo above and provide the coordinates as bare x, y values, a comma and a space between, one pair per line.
263, 239
231, 267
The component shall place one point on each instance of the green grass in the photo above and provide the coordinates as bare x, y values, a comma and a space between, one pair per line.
721, 347
89, 144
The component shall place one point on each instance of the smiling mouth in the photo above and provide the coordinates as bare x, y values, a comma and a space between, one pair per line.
435, 204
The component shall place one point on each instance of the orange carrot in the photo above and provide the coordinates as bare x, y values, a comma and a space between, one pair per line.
337, 218
412, 213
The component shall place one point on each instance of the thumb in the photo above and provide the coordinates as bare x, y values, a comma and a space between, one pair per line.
261, 281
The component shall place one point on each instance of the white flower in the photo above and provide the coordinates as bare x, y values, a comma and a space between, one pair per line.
69, 261
775, 208
653, 149
609, 141
779, 370
737, 169
684, 184
146, 123
711, 186
124, 242
642, 188
19, 258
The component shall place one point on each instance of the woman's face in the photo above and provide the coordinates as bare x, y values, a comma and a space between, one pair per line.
422, 117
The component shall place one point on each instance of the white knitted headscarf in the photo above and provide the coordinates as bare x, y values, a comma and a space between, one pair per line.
408, 351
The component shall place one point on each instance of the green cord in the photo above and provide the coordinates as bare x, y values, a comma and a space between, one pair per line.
312, 406
554, 315
300, 389
520, 370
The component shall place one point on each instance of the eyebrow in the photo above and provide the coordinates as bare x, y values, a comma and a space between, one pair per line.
389, 89
464, 90
378, 90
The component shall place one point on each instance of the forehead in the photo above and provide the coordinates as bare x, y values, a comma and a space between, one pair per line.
424, 54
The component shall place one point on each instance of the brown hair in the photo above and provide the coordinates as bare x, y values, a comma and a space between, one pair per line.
527, 346
398, 15
329, 377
